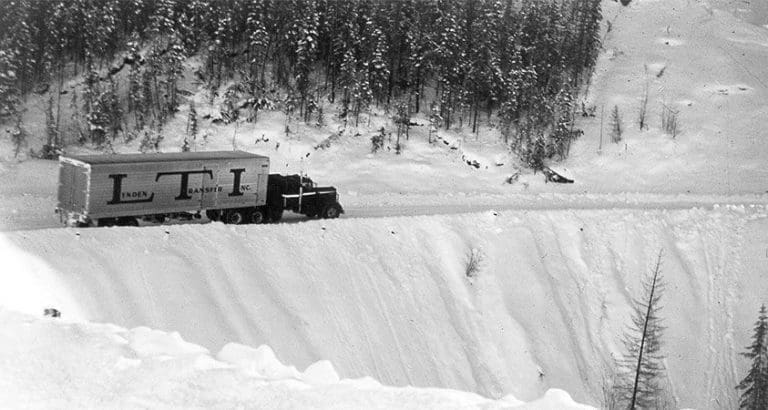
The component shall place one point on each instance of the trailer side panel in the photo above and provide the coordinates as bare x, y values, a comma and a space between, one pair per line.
132, 185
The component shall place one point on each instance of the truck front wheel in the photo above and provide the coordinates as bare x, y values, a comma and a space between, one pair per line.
331, 211
256, 216
234, 217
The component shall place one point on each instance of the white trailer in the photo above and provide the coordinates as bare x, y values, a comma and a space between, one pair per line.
118, 189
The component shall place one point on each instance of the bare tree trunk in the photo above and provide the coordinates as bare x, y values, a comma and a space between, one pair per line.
58, 103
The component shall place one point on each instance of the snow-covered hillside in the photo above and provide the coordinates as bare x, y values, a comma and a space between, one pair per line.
701, 61
389, 297
383, 293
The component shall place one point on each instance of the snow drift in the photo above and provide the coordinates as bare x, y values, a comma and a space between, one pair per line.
390, 297
54, 364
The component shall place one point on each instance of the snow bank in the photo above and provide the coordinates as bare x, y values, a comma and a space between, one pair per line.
51, 363
389, 297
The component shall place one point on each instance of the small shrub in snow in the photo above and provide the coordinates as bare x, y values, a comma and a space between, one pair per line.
669, 121
644, 104
377, 141
229, 110
18, 137
474, 259
617, 128
51, 312
326, 143
150, 141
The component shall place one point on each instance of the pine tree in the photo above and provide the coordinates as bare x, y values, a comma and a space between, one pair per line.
434, 121
51, 147
305, 32
755, 384
379, 72
258, 39
191, 125
9, 91
75, 123
403, 121
642, 367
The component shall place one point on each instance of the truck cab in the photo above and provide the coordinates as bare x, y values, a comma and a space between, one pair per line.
300, 194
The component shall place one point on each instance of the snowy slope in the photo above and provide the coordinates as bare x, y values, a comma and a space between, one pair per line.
50, 364
701, 61
389, 298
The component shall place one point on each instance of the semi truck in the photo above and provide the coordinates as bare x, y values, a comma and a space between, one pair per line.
234, 187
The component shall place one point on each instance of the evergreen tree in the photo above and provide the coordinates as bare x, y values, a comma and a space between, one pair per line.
503, 57
9, 90
51, 147
642, 367
258, 39
379, 71
192, 121
305, 31
755, 384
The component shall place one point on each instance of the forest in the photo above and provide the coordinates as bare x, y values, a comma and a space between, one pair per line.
455, 61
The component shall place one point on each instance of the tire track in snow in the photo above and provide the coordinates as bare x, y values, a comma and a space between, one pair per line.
557, 298
382, 307
720, 320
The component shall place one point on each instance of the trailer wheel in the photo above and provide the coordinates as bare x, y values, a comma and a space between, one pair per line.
256, 216
234, 217
213, 214
331, 211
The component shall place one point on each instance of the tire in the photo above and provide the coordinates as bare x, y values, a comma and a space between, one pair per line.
275, 214
213, 214
127, 221
256, 216
234, 217
331, 211
106, 222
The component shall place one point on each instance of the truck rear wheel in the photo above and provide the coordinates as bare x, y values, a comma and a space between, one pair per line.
106, 222
213, 214
275, 214
127, 221
256, 216
331, 211
234, 217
